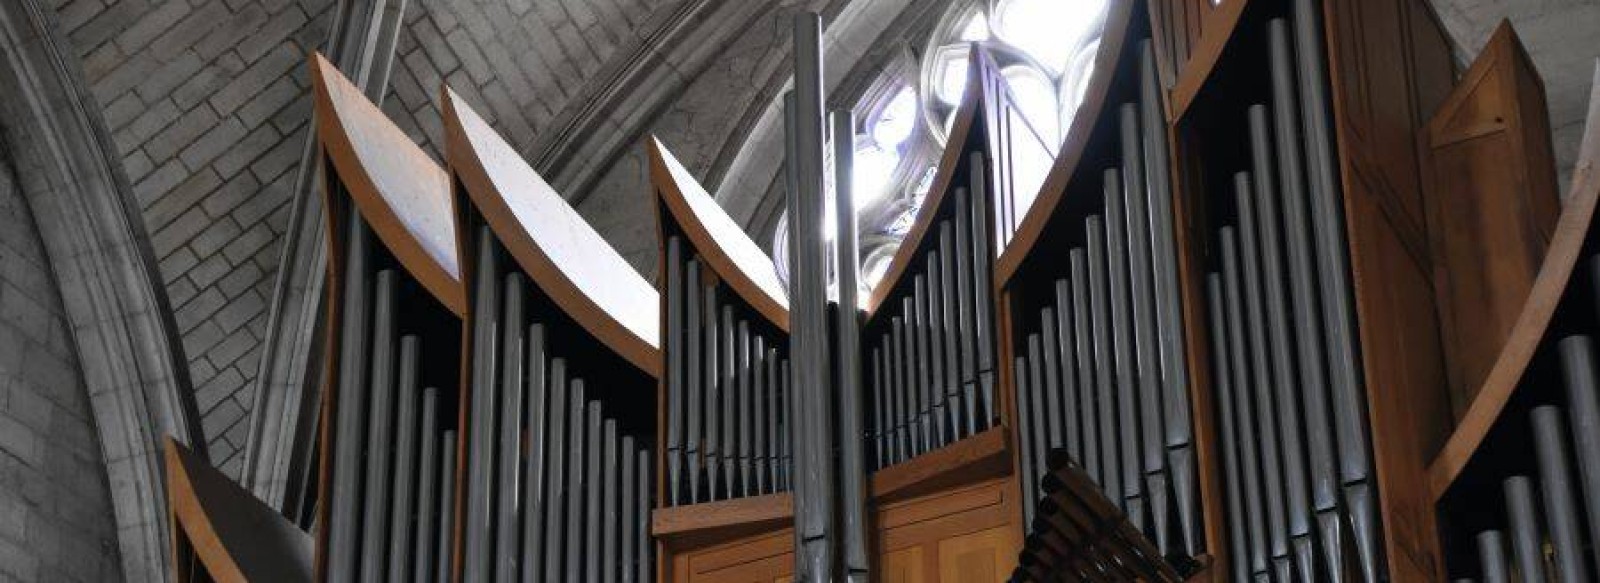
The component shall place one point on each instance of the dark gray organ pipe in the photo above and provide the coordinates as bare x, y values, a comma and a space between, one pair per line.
631, 512
1019, 371
1105, 393
1333, 272
1222, 376
925, 380
847, 333
774, 437
675, 369
741, 418
1050, 381
714, 393
558, 500
512, 376
478, 489
901, 403
962, 422
594, 491
403, 479
1083, 349
427, 478
1248, 436
1064, 327
447, 506
757, 412
1169, 309
1492, 557
1038, 421
693, 327
350, 403
380, 430
1304, 286
641, 528
1583, 410
1147, 342
1560, 509
1280, 329
982, 274
534, 474
1131, 498
936, 332
729, 350
577, 480
1522, 518
965, 311
1262, 378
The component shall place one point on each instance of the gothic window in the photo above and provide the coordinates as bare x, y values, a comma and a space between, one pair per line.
1045, 50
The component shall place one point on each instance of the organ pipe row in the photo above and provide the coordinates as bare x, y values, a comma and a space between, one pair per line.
393, 465
1294, 441
1539, 521
557, 487
728, 396
932, 364
1101, 376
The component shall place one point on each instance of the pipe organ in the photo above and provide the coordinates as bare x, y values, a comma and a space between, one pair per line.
1290, 302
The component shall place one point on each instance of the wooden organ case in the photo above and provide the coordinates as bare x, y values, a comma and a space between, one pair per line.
1289, 303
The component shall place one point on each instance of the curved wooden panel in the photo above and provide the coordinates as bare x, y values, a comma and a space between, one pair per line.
725, 246
558, 249
234, 535
1572, 230
399, 190
1216, 27
1113, 45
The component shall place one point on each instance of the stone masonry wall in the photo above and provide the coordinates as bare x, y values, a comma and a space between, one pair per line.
206, 101
519, 63
55, 505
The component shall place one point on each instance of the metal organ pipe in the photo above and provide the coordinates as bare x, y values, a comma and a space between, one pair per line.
1126, 423
508, 510
350, 404
479, 489
1262, 378
1286, 398
380, 430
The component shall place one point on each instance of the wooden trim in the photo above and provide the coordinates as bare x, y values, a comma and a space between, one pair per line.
1566, 247
401, 192
1113, 48
725, 247
560, 252
698, 525
974, 459
1216, 28
235, 536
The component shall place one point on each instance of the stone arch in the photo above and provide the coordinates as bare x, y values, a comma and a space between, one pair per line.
117, 311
